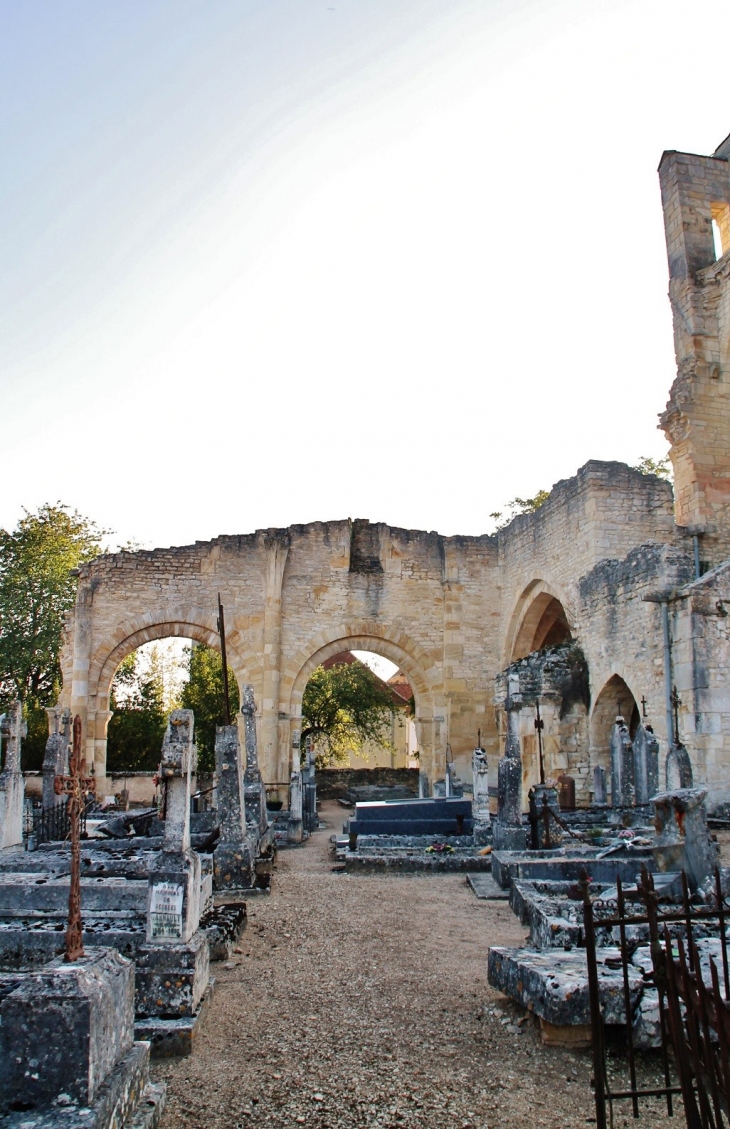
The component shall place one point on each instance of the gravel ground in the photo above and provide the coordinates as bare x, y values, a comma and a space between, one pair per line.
363, 1001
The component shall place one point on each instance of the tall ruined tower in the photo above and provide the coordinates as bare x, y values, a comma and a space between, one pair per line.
696, 421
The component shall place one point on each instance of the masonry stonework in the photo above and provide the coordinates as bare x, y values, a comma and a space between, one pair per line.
594, 566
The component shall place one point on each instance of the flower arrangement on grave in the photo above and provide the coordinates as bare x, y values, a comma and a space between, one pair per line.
440, 849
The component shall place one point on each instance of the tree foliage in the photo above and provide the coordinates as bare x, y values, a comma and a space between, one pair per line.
137, 725
519, 506
37, 590
662, 468
203, 694
344, 707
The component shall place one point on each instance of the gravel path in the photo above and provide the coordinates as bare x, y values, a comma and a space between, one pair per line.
363, 1001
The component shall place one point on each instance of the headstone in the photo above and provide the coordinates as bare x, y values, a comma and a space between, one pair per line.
546, 832
12, 786
599, 787
646, 764
295, 806
173, 967
678, 768
256, 818
622, 765
682, 839
509, 834
480, 796
67, 1050
233, 866
174, 895
566, 792
424, 790
55, 760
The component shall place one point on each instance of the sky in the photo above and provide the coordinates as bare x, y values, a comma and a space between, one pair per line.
275, 261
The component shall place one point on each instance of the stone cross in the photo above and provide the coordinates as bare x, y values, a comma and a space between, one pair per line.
622, 765
76, 786
12, 786
177, 766
682, 839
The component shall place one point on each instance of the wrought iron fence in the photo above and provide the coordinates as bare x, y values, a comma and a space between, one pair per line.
694, 1014
52, 824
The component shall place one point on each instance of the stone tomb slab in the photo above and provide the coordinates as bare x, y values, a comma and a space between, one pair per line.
486, 888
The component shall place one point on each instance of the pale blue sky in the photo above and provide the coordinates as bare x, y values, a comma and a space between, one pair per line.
272, 261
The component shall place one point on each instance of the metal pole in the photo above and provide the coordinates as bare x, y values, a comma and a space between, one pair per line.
222, 633
667, 672
539, 726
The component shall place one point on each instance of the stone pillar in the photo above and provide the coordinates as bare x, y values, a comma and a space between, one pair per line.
12, 785
276, 548
599, 787
256, 818
678, 768
480, 796
509, 834
295, 828
83, 617
622, 765
174, 897
646, 764
55, 760
682, 838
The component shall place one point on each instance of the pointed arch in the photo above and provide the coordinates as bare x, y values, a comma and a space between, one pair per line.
539, 619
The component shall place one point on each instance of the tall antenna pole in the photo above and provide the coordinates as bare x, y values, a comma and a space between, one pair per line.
222, 633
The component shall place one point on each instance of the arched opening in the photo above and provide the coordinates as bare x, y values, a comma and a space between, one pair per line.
539, 621
152, 680
614, 700
358, 712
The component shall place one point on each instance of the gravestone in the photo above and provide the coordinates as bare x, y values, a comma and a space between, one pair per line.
599, 787
67, 1051
12, 786
646, 764
682, 839
509, 834
622, 765
678, 768
173, 967
55, 760
256, 818
546, 832
480, 796
233, 866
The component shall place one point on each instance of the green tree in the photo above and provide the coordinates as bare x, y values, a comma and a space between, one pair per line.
344, 707
37, 591
662, 468
203, 694
520, 506
138, 722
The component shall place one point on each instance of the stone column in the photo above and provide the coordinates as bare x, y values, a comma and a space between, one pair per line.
83, 618
646, 764
276, 548
622, 765
12, 785
55, 760
480, 796
509, 834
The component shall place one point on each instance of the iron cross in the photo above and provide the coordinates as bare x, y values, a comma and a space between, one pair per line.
76, 786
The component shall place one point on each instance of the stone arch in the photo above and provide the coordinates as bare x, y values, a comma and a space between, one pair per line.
243, 664
538, 620
420, 668
615, 697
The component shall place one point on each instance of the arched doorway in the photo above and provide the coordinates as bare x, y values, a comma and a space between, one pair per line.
614, 700
430, 716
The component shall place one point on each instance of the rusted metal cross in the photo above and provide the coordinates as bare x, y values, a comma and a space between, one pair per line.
76, 786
